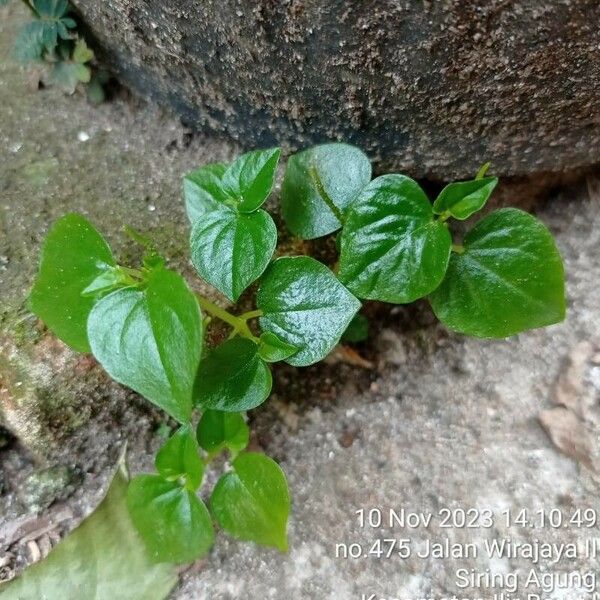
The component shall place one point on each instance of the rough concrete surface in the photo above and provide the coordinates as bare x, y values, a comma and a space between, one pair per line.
433, 87
440, 420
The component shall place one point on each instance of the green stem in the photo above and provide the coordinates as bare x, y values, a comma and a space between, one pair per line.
132, 276
137, 237
458, 248
483, 170
314, 175
251, 314
239, 324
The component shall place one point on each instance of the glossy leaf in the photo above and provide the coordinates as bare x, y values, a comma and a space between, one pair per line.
218, 430
273, 349
173, 522
231, 250
393, 249
233, 377
108, 280
252, 502
203, 191
249, 179
463, 198
150, 340
305, 306
103, 558
319, 185
73, 256
508, 279
179, 458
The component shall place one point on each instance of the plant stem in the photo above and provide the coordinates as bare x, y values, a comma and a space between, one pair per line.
239, 324
252, 314
458, 248
314, 175
483, 170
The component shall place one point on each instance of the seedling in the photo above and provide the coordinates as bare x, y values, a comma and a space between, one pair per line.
147, 327
51, 41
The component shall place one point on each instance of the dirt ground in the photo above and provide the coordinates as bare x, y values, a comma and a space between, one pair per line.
437, 420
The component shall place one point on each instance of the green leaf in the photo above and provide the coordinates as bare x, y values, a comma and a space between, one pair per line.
173, 522
231, 250
508, 279
29, 46
305, 306
393, 249
233, 377
73, 256
273, 349
51, 9
203, 191
463, 198
67, 74
41, 36
253, 502
357, 331
319, 185
249, 179
108, 280
150, 340
81, 52
220, 430
103, 558
179, 458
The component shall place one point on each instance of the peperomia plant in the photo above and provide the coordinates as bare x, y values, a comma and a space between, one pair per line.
147, 327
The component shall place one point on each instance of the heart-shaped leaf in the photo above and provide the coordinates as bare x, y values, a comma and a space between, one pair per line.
319, 185
393, 249
304, 305
249, 179
173, 522
233, 377
203, 191
179, 458
218, 430
230, 250
101, 559
151, 340
273, 349
508, 279
463, 198
74, 255
253, 502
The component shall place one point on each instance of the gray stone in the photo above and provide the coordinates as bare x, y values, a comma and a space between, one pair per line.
434, 88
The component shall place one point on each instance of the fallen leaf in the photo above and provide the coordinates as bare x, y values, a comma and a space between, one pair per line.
102, 559
568, 433
569, 387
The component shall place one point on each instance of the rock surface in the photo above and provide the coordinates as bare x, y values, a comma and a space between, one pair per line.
440, 420
434, 88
